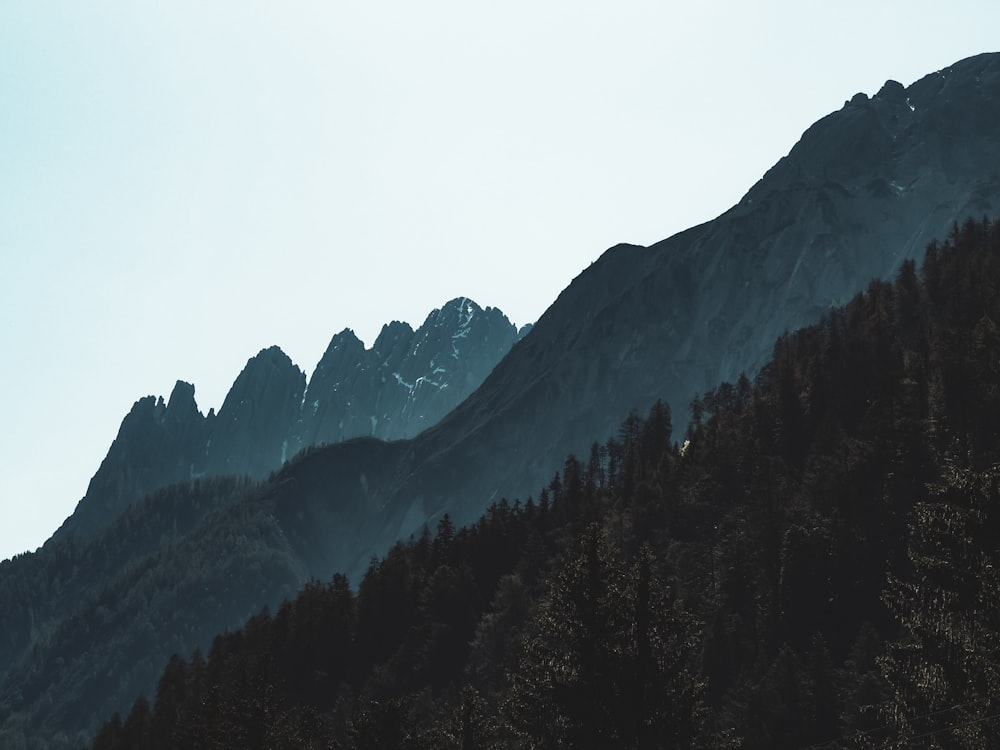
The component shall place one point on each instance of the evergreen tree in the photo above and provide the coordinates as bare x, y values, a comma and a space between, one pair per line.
607, 660
945, 667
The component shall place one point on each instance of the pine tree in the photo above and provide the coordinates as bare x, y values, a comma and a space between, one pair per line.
562, 694
945, 667
607, 660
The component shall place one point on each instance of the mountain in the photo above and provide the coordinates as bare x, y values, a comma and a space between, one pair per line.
405, 382
866, 187
248, 435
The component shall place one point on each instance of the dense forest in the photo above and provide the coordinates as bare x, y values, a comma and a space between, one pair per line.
813, 563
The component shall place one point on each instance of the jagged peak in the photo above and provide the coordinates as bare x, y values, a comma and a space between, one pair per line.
273, 354
181, 407
891, 90
260, 369
181, 397
143, 405
344, 341
181, 403
346, 337
454, 314
269, 358
391, 333
460, 304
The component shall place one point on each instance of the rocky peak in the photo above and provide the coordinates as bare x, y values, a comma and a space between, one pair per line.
408, 380
181, 407
157, 444
343, 355
393, 343
269, 371
344, 342
461, 343
250, 429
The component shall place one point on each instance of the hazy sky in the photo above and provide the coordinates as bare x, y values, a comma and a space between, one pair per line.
185, 183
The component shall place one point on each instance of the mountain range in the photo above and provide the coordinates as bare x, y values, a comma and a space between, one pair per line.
405, 382
865, 188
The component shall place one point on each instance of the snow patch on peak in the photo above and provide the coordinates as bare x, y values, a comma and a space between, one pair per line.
469, 311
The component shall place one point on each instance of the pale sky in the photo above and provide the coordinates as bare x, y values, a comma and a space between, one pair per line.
185, 183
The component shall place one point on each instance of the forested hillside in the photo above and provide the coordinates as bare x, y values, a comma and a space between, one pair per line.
812, 563
147, 587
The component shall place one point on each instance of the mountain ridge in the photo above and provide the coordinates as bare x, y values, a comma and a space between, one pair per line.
406, 381
807, 241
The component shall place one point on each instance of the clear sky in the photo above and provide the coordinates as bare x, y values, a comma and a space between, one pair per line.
184, 183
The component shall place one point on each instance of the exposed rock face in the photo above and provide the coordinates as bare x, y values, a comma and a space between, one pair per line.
158, 444
249, 436
406, 382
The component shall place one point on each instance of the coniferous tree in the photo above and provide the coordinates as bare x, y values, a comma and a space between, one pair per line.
608, 659
944, 668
